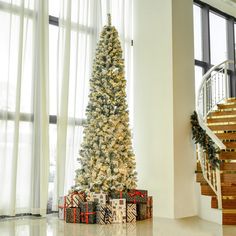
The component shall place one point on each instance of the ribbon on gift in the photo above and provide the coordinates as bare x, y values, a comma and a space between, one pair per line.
74, 215
85, 215
136, 193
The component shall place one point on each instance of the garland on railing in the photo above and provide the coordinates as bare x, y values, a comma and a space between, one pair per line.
200, 137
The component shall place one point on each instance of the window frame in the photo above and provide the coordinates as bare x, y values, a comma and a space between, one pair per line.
205, 63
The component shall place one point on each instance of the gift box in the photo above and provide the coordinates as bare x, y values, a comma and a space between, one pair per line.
118, 210
118, 195
149, 207
74, 199
88, 212
62, 208
131, 213
137, 196
73, 215
141, 211
100, 197
104, 214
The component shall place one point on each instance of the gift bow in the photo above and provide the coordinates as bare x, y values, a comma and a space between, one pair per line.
137, 193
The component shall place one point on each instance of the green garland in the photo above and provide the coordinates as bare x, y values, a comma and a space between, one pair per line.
200, 137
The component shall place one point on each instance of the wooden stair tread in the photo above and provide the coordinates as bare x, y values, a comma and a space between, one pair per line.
223, 123
222, 127
228, 190
226, 136
229, 100
221, 120
228, 156
227, 105
200, 178
229, 219
206, 190
222, 113
230, 144
226, 203
228, 166
228, 178
214, 202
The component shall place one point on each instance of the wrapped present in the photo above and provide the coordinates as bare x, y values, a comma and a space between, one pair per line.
104, 214
88, 212
149, 207
62, 208
137, 196
141, 211
118, 210
100, 197
74, 199
73, 215
131, 212
118, 194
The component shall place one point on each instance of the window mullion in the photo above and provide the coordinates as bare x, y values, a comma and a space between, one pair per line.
231, 54
206, 53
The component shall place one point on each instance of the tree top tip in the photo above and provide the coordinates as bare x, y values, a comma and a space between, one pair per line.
109, 19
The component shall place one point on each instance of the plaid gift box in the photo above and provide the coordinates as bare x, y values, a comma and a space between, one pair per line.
141, 211
100, 197
74, 199
149, 207
104, 214
62, 208
118, 194
88, 212
131, 213
73, 215
118, 210
137, 196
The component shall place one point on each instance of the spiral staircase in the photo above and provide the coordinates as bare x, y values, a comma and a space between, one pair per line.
217, 116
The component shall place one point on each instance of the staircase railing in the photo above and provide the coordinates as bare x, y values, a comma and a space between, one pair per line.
213, 90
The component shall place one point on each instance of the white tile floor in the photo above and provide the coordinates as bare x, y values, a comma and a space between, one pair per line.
51, 226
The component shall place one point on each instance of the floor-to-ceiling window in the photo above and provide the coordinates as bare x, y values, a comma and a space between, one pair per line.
17, 28
214, 41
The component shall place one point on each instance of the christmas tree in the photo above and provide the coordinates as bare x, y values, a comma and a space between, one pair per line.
106, 155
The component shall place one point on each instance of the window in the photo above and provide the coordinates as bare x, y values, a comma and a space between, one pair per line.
213, 39
86, 32
198, 78
197, 32
235, 41
218, 38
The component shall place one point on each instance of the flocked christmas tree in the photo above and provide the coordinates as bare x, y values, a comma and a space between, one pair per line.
106, 156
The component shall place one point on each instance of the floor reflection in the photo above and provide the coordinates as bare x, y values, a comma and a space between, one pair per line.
51, 226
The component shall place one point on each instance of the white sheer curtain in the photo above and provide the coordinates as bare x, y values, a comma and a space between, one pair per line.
80, 24
25, 89
24, 149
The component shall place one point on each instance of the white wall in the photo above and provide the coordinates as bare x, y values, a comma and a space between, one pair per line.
183, 106
153, 106
163, 102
